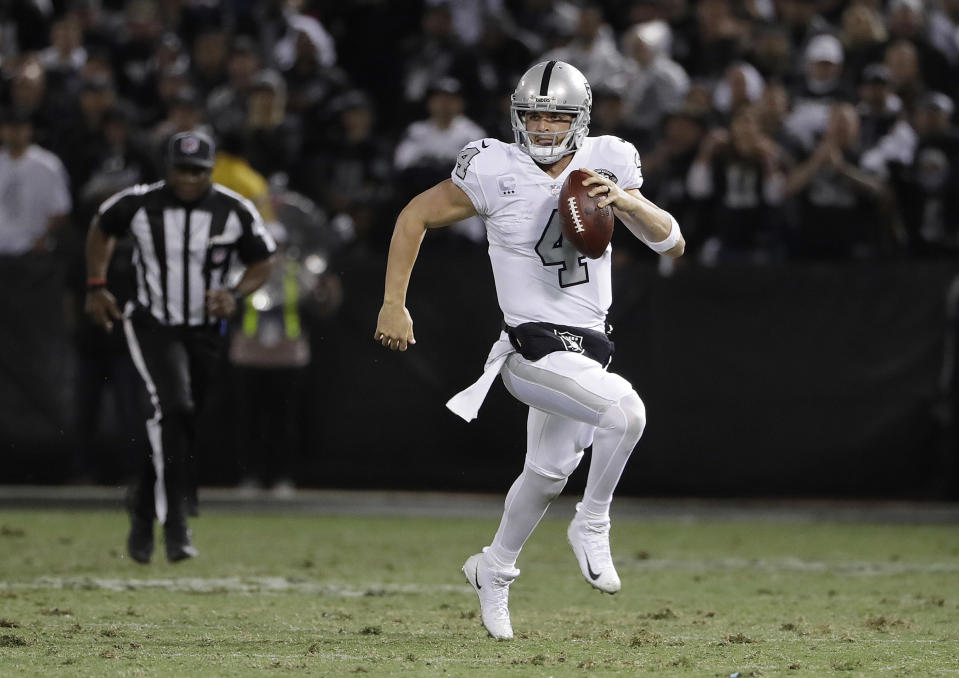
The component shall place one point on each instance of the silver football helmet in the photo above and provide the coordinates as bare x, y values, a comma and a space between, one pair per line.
554, 86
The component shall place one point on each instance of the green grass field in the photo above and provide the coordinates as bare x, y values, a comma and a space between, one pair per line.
332, 596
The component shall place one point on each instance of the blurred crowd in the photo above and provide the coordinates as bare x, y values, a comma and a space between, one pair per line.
774, 129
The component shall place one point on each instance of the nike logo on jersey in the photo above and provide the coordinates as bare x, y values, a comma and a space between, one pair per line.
484, 144
592, 575
476, 577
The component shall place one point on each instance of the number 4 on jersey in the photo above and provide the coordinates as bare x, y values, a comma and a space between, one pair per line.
554, 250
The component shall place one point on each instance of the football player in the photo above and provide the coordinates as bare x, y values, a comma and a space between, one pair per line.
554, 349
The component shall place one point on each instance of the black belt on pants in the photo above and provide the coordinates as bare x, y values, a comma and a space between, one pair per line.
537, 339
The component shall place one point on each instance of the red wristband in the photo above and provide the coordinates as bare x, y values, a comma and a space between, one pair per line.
96, 283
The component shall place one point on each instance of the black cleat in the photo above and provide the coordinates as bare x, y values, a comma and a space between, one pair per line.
140, 539
178, 544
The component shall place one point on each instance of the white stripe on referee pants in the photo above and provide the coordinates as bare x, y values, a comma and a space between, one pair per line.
154, 432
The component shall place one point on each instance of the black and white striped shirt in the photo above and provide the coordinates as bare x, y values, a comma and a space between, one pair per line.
182, 250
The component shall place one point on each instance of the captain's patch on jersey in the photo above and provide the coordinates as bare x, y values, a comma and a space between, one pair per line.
507, 184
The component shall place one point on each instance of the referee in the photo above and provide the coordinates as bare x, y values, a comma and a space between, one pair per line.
190, 238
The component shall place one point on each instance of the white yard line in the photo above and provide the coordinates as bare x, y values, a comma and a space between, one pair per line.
315, 587
865, 567
231, 585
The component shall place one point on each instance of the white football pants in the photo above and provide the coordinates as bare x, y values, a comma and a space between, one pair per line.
573, 403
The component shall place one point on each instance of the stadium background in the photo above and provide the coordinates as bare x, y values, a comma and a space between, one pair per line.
768, 369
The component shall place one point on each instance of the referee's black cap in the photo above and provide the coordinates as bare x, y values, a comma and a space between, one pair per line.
191, 148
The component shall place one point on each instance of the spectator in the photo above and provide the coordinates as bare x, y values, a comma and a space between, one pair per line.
34, 190
80, 144
231, 169
226, 105
272, 137
944, 29
928, 188
821, 87
654, 83
311, 86
503, 54
66, 54
168, 73
772, 110
906, 77
211, 50
741, 85
592, 49
29, 93
537, 20
665, 169
429, 147
719, 38
802, 21
906, 20
353, 178
99, 29
270, 351
301, 31
837, 200
171, 84
121, 161
864, 36
185, 114
610, 116
742, 172
435, 53
879, 108
772, 53
134, 50
886, 136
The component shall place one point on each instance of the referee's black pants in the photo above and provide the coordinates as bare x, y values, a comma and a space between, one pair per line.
178, 366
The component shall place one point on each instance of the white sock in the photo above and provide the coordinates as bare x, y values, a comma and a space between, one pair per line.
526, 504
617, 434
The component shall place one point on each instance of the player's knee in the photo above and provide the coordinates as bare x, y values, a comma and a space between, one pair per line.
556, 468
550, 485
635, 411
627, 414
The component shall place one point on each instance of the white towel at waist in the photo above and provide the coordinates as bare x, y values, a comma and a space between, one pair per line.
467, 402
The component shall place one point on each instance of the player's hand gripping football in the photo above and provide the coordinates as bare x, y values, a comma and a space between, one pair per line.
611, 193
394, 327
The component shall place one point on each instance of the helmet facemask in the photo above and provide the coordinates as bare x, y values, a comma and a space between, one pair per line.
551, 87
547, 155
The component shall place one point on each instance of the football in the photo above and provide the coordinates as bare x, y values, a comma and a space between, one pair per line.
588, 227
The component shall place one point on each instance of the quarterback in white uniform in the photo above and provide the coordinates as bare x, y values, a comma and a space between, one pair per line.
553, 352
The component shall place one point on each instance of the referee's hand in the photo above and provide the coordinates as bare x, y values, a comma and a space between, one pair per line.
220, 303
101, 307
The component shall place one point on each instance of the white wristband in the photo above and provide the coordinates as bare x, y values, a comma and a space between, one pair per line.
671, 239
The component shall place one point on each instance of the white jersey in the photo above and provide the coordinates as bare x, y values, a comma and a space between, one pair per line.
33, 188
539, 276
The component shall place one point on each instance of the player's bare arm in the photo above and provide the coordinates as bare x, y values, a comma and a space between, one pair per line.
439, 206
642, 217
100, 304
